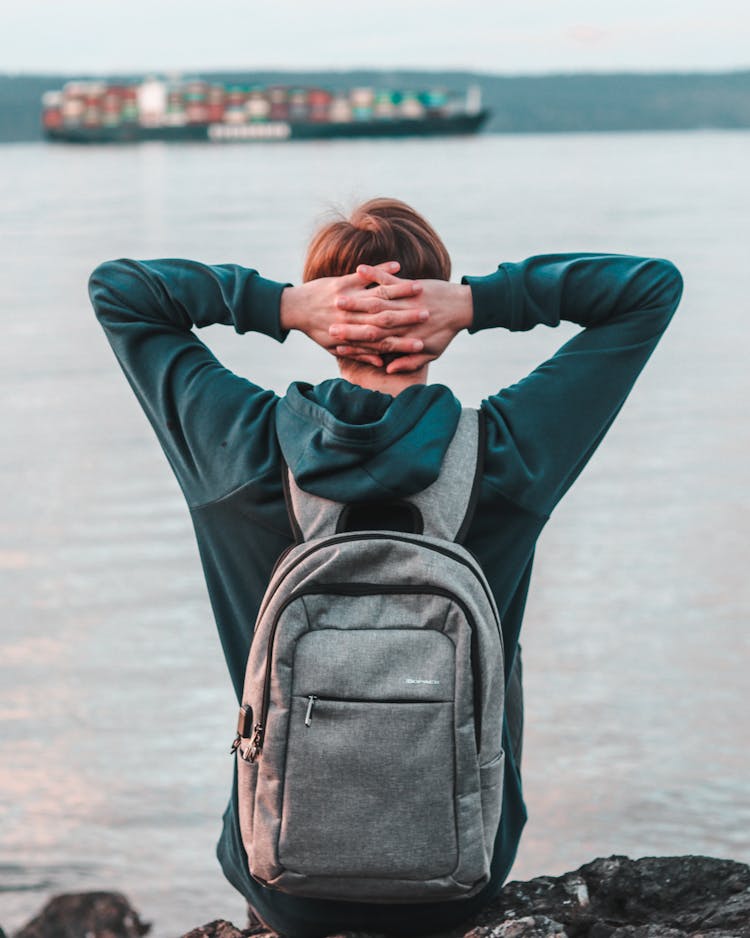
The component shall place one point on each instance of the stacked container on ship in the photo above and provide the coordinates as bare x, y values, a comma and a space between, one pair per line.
197, 109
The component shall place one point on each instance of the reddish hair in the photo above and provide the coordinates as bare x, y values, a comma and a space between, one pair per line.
376, 231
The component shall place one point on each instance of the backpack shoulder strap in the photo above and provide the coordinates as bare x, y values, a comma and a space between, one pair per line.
444, 509
447, 506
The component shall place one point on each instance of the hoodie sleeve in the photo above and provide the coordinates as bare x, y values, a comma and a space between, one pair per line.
204, 415
543, 430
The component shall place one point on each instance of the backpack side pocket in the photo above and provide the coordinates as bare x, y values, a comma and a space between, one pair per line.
247, 781
491, 783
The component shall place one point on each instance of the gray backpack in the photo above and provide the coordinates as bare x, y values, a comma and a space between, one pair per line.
370, 760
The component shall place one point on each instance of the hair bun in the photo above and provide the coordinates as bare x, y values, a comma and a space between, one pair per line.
378, 230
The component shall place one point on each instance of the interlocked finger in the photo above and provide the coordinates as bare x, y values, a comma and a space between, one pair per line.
352, 332
398, 318
394, 343
357, 354
400, 365
373, 337
368, 301
406, 363
389, 285
389, 344
376, 326
398, 290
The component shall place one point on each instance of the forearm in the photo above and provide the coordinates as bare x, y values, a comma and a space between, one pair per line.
180, 294
547, 426
202, 413
587, 289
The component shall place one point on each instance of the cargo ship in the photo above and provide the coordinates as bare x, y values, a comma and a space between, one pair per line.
154, 109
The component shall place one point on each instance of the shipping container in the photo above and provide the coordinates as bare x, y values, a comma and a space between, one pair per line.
362, 97
52, 99
411, 106
52, 118
384, 108
257, 106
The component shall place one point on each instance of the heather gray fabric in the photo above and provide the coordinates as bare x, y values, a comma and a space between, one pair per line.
443, 505
374, 771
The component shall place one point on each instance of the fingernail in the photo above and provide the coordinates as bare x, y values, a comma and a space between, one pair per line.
394, 265
424, 314
417, 345
334, 331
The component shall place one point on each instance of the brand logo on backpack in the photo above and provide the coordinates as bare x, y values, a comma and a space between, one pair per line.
419, 680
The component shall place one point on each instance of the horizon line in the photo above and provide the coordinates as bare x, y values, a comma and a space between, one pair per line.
479, 73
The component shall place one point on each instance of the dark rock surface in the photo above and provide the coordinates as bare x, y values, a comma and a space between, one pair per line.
654, 897
86, 915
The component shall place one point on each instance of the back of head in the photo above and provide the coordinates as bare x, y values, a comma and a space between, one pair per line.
376, 231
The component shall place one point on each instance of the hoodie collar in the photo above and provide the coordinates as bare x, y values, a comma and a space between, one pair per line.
349, 444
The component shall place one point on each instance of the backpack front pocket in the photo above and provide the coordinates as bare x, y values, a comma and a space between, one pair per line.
362, 774
370, 760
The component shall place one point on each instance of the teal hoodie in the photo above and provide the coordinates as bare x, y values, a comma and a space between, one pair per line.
224, 437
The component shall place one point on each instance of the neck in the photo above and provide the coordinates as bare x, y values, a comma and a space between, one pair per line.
373, 379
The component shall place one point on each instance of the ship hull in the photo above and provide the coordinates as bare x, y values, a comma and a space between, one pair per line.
273, 131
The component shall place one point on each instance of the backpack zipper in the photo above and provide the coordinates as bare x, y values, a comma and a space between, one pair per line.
374, 536
310, 704
313, 699
359, 589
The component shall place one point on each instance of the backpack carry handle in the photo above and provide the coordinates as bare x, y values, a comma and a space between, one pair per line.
401, 516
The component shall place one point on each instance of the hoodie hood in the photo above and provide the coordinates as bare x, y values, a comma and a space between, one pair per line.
347, 443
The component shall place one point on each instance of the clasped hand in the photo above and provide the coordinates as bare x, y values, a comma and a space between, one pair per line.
373, 316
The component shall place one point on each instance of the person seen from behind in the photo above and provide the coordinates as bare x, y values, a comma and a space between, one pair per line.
377, 295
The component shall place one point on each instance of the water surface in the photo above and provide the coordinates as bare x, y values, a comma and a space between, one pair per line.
115, 710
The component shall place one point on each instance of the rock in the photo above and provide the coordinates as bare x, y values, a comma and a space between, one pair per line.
86, 915
654, 897
223, 929
530, 926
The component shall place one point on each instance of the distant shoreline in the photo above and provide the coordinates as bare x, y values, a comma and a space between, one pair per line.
549, 103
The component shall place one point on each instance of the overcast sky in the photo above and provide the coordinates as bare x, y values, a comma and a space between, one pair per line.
81, 36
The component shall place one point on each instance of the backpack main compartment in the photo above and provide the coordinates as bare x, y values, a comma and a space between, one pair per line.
371, 766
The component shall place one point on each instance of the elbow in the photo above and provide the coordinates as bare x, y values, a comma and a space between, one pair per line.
102, 284
670, 284
105, 273
657, 292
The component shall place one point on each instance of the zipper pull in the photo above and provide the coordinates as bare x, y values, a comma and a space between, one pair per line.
256, 746
310, 704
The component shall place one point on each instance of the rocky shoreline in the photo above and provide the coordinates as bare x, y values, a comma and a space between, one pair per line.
653, 897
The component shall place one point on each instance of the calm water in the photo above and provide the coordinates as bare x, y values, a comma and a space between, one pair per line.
114, 707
